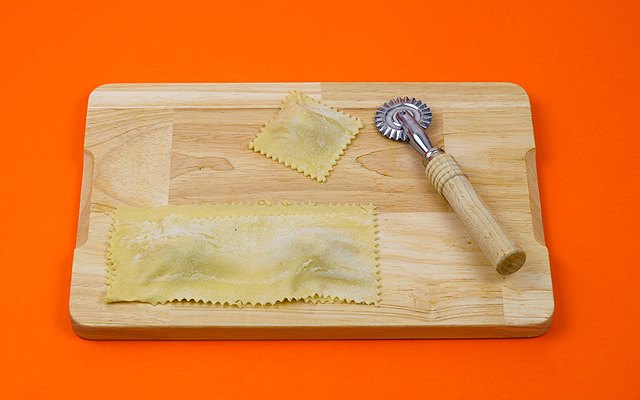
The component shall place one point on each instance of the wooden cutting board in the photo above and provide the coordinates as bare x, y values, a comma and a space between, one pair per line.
189, 143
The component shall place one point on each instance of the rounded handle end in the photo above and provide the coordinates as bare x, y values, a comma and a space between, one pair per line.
511, 261
492, 238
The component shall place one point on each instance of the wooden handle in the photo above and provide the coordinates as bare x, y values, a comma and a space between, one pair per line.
495, 243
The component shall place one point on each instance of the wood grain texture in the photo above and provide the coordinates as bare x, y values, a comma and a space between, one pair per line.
188, 143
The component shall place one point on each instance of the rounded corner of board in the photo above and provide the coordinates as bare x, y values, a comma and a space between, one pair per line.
517, 88
94, 98
81, 329
543, 327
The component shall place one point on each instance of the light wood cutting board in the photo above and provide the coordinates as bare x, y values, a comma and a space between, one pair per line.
189, 143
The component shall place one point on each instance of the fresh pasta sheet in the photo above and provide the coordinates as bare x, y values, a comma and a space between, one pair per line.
244, 254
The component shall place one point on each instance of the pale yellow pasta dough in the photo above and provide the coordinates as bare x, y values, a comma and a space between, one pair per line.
307, 136
244, 254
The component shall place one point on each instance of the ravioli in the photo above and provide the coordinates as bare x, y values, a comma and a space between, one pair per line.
244, 254
307, 136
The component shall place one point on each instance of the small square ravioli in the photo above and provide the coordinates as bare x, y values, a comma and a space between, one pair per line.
307, 136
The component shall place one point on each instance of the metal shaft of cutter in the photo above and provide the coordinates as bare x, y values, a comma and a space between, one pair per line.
417, 136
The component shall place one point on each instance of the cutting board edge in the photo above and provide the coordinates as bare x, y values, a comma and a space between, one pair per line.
114, 332
203, 95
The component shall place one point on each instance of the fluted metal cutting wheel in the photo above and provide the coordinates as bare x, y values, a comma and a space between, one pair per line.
387, 122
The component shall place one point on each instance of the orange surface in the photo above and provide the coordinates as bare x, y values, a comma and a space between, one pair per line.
578, 60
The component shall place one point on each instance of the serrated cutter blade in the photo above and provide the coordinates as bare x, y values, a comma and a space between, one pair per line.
387, 120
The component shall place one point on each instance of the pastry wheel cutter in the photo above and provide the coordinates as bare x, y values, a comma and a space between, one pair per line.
408, 119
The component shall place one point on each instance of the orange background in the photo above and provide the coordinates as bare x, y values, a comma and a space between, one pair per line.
579, 62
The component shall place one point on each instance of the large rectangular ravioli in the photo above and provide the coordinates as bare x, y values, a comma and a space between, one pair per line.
244, 254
